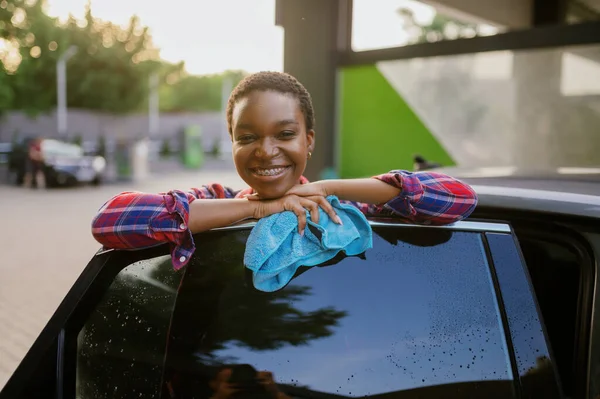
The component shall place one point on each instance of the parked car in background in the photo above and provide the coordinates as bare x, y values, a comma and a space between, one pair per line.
5, 150
64, 163
503, 305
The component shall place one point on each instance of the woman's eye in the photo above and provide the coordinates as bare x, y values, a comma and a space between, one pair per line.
287, 134
245, 138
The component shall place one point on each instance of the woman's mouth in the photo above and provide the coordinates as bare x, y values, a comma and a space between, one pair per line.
269, 172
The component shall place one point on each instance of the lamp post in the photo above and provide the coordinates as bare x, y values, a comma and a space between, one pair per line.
61, 89
225, 140
153, 105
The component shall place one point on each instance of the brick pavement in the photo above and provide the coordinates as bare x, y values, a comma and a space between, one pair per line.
45, 243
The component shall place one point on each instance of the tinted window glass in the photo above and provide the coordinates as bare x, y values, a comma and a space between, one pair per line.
556, 267
121, 347
417, 311
534, 364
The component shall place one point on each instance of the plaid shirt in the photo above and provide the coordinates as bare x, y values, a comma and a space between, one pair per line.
133, 220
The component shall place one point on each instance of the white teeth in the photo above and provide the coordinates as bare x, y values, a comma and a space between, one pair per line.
269, 172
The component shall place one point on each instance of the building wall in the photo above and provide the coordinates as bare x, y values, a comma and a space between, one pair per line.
378, 130
90, 125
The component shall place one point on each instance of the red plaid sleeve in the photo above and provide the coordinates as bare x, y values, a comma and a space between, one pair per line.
133, 220
428, 197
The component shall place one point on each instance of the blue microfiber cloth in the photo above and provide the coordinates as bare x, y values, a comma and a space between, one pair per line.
275, 250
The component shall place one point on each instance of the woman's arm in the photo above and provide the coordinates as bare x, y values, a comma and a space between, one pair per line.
369, 191
417, 197
213, 213
135, 220
422, 197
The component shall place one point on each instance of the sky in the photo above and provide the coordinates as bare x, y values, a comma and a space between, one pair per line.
212, 36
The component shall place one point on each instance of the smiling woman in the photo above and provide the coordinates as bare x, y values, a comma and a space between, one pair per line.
271, 122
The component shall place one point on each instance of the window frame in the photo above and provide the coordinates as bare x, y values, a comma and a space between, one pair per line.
536, 37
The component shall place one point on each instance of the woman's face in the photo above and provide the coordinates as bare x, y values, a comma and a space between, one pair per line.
270, 142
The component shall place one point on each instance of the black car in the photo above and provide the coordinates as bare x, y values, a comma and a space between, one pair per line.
503, 305
64, 163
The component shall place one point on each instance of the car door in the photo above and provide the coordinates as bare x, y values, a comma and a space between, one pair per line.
427, 312
561, 252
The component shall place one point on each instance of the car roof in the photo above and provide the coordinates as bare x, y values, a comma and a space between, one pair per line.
566, 191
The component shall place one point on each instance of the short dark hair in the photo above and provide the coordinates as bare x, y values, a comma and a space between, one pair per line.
279, 82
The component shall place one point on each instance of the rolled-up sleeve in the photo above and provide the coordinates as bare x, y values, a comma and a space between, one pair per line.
429, 197
134, 220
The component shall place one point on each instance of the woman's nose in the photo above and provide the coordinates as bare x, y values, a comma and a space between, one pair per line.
266, 149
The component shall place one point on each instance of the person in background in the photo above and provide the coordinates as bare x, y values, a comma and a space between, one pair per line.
35, 162
271, 123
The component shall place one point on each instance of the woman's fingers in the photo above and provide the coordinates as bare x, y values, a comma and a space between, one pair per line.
326, 206
299, 205
312, 207
301, 214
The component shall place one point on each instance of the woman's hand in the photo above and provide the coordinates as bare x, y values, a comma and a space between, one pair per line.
311, 189
298, 205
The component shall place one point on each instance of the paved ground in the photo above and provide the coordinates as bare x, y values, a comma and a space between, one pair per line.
45, 242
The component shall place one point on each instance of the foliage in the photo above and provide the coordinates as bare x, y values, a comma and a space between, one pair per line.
110, 72
440, 28
197, 93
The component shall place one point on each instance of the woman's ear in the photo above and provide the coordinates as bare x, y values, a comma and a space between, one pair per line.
310, 140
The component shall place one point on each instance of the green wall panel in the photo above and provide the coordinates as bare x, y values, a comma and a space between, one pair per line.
378, 131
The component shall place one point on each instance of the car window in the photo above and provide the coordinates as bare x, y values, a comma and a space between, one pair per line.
534, 364
60, 149
556, 266
415, 314
120, 350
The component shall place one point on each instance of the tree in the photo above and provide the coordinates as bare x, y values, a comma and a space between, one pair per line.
197, 93
109, 72
6, 91
440, 28
15, 25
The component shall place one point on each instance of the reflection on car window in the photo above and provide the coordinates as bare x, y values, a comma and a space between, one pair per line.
416, 312
121, 347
